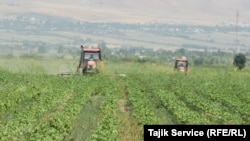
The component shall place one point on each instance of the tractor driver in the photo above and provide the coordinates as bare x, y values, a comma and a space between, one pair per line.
91, 57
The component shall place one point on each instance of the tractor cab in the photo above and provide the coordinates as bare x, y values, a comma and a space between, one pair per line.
181, 64
90, 60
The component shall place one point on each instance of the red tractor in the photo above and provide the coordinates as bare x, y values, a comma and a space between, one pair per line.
90, 60
181, 64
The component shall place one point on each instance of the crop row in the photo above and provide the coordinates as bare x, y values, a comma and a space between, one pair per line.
140, 104
191, 100
108, 123
46, 108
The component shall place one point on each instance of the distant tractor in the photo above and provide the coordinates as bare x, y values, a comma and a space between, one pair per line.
181, 64
90, 61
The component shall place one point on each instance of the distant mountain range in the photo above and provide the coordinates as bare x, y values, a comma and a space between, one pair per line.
201, 12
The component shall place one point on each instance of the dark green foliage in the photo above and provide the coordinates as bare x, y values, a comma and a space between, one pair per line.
199, 61
239, 61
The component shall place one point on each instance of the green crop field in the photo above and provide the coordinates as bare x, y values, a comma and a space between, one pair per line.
42, 106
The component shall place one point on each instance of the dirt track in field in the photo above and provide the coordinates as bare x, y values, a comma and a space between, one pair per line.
128, 125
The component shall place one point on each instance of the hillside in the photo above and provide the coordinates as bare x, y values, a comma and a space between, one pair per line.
190, 24
136, 11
